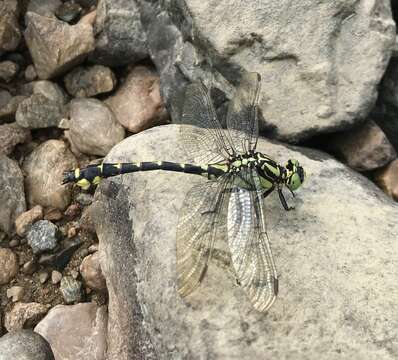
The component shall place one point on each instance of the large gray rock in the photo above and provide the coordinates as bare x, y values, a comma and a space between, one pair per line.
24, 345
336, 254
309, 86
56, 46
76, 331
120, 38
12, 195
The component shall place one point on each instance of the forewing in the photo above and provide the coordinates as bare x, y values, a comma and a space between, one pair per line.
242, 119
196, 231
206, 142
250, 248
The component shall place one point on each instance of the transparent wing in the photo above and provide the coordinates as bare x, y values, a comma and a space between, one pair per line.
242, 119
251, 253
196, 231
206, 142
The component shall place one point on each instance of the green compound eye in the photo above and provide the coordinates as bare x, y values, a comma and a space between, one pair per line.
294, 181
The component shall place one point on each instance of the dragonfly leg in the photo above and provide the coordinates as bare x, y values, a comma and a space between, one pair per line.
283, 201
267, 192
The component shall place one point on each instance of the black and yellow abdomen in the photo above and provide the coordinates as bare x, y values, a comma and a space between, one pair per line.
92, 174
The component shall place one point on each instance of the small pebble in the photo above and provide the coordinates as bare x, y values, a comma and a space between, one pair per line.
71, 289
93, 248
15, 293
29, 267
8, 266
84, 199
53, 214
30, 73
56, 277
14, 243
43, 236
72, 232
72, 211
43, 276
24, 221
90, 269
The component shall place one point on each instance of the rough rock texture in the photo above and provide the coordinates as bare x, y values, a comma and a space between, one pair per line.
387, 179
309, 86
12, 135
90, 269
324, 297
24, 221
89, 114
119, 36
42, 236
75, 331
44, 108
24, 315
43, 7
15, 293
389, 100
71, 289
56, 46
44, 168
137, 104
8, 266
8, 110
10, 34
12, 196
90, 81
8, 69
24, 345
364, 148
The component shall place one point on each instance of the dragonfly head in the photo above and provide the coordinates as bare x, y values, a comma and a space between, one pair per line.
295, 175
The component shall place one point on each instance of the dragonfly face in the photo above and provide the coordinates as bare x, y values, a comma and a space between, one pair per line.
295, 175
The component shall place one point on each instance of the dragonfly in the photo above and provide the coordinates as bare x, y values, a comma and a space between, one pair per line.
239, 178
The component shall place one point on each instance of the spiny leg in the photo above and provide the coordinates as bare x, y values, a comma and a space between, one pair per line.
283, 201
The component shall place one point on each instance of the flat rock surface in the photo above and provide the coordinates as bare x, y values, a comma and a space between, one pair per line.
336, 254
75, 331
314, 81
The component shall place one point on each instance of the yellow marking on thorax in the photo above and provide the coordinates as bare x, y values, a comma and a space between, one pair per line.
101, 167
160, 163
118, 166
77, 173
204, 167
182, 166
84, 184
138, 164
97, 180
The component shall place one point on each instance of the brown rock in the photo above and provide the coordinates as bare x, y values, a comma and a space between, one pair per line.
44, 169
56, 277
8, 266
8, 69
29, 267
90, 81
10, 34
75, 331
16, 293
137, 104
7, 112
90, 269
53, 214
387, 179
363, 148
89, 114
26, 219
12, 135
56, 46
24, 316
